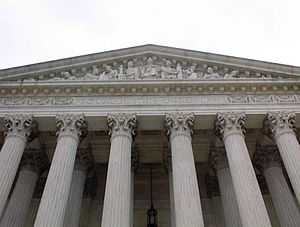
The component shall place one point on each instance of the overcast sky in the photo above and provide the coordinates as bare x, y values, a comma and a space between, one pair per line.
40, 30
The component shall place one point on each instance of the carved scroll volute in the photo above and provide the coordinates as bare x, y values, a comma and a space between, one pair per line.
230, 123
20, 125
179, 123
71, 125
122, 124
276, 123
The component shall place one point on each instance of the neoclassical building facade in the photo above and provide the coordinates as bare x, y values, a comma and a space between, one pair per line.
150, 136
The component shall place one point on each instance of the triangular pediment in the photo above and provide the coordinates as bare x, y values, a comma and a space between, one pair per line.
150, 62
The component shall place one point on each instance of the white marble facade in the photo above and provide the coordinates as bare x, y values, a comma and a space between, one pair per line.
81, 134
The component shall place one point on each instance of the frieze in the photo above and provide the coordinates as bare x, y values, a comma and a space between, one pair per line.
150, 100
150, 67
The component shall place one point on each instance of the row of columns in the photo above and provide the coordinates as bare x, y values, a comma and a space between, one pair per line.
268, 162
238, 183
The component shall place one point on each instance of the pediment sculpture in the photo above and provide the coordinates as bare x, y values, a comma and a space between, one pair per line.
150, 67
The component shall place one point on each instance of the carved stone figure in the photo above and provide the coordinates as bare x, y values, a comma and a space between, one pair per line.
246, 74
149, 70
179, 71
94, 75
190, 72
167, 71
95, 70
132, 71
231, 75
211, 74
109, 73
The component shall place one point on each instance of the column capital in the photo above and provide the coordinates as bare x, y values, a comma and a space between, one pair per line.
230, 123
73, 125
217, 158
179, 123
122, 124
266, 156
277, 123
20, 125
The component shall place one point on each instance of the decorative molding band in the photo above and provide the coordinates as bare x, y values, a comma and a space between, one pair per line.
163, 87
149, 100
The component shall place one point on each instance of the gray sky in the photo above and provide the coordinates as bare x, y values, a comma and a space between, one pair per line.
40, 30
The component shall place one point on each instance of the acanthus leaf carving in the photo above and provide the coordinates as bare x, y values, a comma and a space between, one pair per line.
179, 123
230, 122
22, 125
122, 124
276, 123
73, 125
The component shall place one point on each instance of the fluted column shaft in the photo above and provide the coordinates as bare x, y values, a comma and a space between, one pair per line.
72, 217
19, 203
230, 126
132, 199
18, 129
230, 206
231, 210
117, 200
188, 211
281, 126
172, 208
56, 192
282, 197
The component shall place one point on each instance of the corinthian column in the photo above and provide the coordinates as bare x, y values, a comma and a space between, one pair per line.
18, 129
230, 206
231, 128
187, 203
268, 160
280, 126
18, 206
83, 162
56, 192
117, 200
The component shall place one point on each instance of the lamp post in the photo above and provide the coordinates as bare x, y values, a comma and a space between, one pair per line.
151, 213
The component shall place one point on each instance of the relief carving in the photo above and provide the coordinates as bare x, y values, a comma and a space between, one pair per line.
122, 124
150, 100
152, 67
